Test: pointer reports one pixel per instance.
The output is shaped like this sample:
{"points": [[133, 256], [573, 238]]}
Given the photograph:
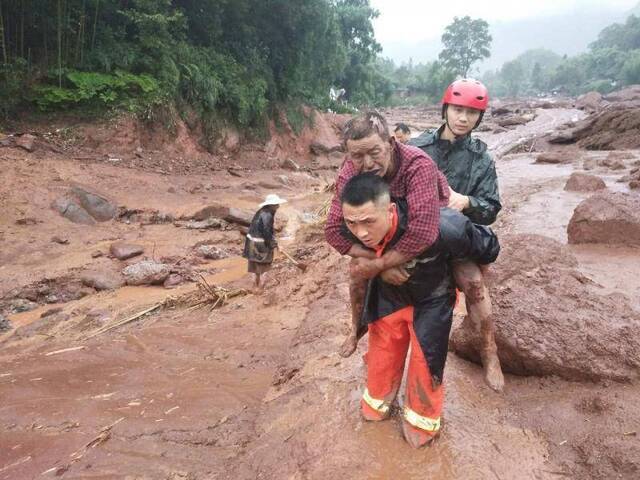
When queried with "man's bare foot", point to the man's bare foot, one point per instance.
{"points": [[349, 346], [492, 372]]}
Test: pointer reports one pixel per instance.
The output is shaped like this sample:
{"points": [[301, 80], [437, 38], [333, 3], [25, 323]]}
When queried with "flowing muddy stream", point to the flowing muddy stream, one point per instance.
{"points": [[256, 389]]}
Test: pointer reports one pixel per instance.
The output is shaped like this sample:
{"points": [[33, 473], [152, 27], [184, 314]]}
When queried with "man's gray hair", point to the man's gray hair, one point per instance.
{"points": [[364, 125]]}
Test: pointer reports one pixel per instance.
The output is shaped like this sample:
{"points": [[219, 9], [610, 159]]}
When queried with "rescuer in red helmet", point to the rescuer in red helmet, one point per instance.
{"points": [[471, 174]]}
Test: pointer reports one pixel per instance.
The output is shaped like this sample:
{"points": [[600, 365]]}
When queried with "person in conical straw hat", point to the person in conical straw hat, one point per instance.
{"points": [[260, 241]]}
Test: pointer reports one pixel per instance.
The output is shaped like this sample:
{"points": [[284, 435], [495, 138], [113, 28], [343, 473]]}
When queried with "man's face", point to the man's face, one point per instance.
{"points": [[369, 222], [371, 154], [401, 136], [462, 119]]}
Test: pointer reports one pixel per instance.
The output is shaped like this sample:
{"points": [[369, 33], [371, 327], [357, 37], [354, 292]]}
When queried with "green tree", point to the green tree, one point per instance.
{"points": [[537, 77], [513, 76], [360, 77], [605, 63], [631, 69], [220, 58], [570, 75], [623, 36], [465, 42]]}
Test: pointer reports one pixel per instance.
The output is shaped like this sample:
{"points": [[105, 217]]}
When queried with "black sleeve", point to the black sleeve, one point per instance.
{"points": [[484, 200], [461, 238]]}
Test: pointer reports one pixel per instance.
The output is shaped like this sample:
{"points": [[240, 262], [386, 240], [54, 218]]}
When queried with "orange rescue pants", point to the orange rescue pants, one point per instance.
{"points": [[389, 340]]}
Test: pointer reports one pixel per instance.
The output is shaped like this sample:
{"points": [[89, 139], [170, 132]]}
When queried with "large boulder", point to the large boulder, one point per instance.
{"points": [[26, 141], [583, 182], [96, 204], [81, 205], [230, 214], [102, 280], [146, 272], [551, 320], [125, 251], [609, 218], [70, 209], [589, 101]]}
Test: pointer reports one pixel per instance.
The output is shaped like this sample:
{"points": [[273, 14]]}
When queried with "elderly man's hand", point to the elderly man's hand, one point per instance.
{"points": [[395, 276], [457, 201], [364, 268]]}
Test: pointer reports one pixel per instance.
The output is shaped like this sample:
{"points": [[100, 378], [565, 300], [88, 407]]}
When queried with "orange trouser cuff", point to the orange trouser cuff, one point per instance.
{"points": [[389, 340]]}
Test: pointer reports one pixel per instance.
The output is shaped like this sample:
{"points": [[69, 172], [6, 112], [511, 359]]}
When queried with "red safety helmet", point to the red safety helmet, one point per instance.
{"points": [[467, 92]]}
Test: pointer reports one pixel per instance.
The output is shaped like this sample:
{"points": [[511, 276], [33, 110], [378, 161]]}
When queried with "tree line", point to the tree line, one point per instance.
{"points": [[231, 59], [241, 60], [612, 61]]}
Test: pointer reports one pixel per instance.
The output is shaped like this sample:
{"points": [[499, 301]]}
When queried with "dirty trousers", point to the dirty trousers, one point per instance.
{"points": [[389, 340]]}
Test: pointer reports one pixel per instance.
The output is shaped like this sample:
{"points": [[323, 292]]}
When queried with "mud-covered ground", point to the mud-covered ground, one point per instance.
{"points": [[255, 389]]}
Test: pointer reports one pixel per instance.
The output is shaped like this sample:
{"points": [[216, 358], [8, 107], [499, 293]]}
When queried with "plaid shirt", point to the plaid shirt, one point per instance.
{"points": [[417, 180]]}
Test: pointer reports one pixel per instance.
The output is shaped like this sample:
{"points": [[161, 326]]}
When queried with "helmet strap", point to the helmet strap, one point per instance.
{"points": [[445, 115]]}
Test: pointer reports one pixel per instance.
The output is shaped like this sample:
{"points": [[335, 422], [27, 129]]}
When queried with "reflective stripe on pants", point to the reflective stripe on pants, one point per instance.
{"points": [[389, 341], [379, 406]]}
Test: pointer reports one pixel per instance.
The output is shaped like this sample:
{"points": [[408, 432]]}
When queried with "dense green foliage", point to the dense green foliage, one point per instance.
{"points": [[232, 60], [465, 41], [613, 60], [420, 83]]}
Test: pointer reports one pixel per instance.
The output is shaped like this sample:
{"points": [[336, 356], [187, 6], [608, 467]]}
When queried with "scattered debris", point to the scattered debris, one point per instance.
{"points": [[26, 221], [51, 311], [290, 165], [298, 264], [130, 319], [173, 280], [205, 295], [5, 324], [553, 157], [65, 350]]}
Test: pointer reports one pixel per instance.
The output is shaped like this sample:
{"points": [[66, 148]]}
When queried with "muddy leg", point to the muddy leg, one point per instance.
{"points": [[470, 279], [357, 290], [257, 287]]}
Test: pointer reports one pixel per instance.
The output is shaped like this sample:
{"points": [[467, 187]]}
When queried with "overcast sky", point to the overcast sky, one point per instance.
{"points": [[411, 29], [415, 20]]}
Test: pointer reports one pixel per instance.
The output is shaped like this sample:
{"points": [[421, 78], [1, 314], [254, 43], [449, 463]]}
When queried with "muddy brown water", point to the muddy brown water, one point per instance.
{"points": [[544, 207], [256, 390]]}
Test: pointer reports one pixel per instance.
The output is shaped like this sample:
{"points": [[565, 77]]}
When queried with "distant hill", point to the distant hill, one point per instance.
{"points": [[564, 34]]}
